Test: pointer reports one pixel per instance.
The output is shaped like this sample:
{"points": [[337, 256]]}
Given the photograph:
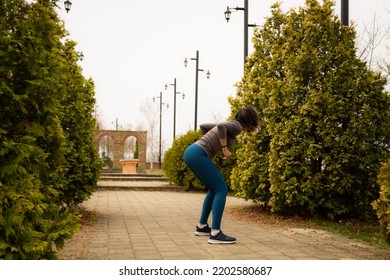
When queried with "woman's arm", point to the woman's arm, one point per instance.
{"points": [[222, 131], [205, 127]]}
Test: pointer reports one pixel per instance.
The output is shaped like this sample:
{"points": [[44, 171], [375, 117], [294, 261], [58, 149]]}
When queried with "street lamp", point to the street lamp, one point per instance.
{"points": [[117, 126], [196, 83], [67, 5], [161, 103], [228, 14], [174, 105]]}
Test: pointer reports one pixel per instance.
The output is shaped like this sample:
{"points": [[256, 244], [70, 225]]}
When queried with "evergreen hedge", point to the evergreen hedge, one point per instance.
{"points": [[48, 164], [382, 204], [325, 122], [178, 172]]}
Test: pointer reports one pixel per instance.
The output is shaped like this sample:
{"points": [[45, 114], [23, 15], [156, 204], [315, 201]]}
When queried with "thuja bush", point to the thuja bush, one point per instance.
{"points": [[178, 172], [47, 161], [382, 204], [249, 177], [324, 122], [31, 222], [175, 168], [82, 164]]}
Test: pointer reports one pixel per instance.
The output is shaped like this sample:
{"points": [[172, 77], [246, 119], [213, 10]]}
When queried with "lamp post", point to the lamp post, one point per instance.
{"points": [[196, 83], [161, 103], [345, 12], [228, 14], [117, 126], [174, 105]]}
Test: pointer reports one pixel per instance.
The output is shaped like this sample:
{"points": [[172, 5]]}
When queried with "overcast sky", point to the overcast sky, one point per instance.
{"points": [[133, 48]]}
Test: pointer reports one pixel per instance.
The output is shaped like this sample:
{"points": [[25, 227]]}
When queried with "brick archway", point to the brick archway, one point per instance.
{"points": [[119, 137]]}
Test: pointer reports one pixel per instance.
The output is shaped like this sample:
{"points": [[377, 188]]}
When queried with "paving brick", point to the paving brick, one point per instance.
{"points": [[159, 225]]}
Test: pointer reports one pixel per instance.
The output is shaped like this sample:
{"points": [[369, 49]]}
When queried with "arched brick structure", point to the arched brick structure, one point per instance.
{"points": [[119, 137]]}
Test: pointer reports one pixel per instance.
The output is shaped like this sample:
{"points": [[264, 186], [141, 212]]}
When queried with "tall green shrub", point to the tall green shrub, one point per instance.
{"points": [[41, 146], [382, 204], [30, 222], [178, 172], [175, 168], [324, 117], [82, 164], [253, 171], [32, 140]]}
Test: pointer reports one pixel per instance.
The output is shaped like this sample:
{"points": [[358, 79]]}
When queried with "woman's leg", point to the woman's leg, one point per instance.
{"points": [[207, 206], [208, 173]]}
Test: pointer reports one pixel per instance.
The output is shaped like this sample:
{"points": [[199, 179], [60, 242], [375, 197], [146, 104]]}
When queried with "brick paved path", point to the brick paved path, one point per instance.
{"points": [[159, 225]]}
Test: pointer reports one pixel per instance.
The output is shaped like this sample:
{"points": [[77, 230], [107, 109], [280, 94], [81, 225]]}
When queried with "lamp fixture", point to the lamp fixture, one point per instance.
{"points": [[67, 5], [228, 14], [245, 9]]}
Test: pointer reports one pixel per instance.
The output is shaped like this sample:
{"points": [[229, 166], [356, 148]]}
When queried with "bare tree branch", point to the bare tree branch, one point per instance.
{"points": [[371, 39], [150, 124]]}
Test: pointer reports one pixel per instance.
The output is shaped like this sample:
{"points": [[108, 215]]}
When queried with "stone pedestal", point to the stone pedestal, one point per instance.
{"points": [[129, 166]]}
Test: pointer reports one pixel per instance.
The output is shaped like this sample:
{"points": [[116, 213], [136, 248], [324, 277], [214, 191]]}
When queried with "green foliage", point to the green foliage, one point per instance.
{"points": [[325, 119], [107, 162], [382, 204], [175, 168], [178, 172], [47, 161], [82, 163], [253, 170]]}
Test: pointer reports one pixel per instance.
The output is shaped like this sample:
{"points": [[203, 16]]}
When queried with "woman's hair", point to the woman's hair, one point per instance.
{"points": [[248, 118]]}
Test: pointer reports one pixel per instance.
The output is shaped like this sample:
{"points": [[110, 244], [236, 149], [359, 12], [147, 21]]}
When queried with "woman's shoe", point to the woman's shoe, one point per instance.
{"points": [[221, 238], [202, 231]]}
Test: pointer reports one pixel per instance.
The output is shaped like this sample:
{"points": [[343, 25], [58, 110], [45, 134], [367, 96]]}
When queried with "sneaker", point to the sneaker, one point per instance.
{"points": [[202, 231], [221, 238]]}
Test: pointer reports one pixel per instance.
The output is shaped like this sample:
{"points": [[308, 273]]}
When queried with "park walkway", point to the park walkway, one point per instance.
{"points": [[159, 225]]}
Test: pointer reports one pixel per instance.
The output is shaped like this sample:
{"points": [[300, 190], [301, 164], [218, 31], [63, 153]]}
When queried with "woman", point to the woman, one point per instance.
{"points": [[216, 138]]}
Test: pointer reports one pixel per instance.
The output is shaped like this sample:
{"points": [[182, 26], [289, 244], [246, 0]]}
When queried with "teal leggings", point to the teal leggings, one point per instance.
{"points": [[215, 200]]}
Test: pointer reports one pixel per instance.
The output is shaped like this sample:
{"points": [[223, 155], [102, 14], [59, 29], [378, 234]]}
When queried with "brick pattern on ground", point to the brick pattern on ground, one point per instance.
{"points": [[160, 225]]}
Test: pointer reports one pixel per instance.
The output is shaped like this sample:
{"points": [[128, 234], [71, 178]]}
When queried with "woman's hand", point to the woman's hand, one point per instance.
{"points": [[226, 153]]}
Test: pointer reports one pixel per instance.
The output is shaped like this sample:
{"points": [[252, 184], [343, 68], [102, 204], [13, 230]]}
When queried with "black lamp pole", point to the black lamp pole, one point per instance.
{"points": [[161, 103], [174, 109], [174, 105], [246, 7], [345, 12], [196, 84], [196, 89], [246, 25], [159, 150]]}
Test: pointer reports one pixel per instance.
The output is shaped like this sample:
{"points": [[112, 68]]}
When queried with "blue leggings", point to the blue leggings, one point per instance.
{"points": [[215, 200]]}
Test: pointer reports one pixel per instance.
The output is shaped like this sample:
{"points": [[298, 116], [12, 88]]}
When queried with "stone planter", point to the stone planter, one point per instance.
{"points": [[129, 166]]}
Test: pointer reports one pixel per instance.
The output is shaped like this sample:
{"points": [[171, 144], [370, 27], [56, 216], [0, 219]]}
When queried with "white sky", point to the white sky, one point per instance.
{"points": [[133, 48]]}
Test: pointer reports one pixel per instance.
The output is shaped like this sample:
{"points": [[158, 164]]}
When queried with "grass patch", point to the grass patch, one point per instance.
{"points": [[353, 229]]}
